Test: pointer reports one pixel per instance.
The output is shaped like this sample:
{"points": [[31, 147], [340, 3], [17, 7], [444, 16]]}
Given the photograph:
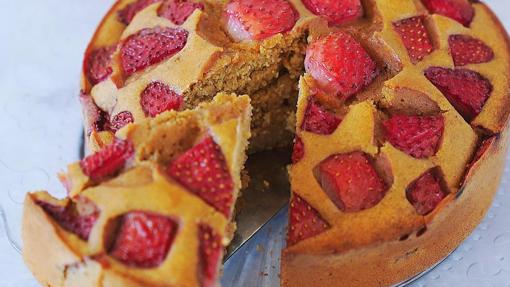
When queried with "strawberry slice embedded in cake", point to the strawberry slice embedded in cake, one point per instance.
{"points": [[426, 193], [318, 119], [467, 50], [108, 161], [157, 98], [150, 46], [120, 120], [298, 151], [259, 19], [340, 65], [336, 12], [203, 170], [211, 252], [459, 10], [415, 37], [97, 64], [127, 14], [466, 90], [304, 221], [178, 11], [351, 181], [77, 218], [418, 136], [96, 119], [143, 239]]}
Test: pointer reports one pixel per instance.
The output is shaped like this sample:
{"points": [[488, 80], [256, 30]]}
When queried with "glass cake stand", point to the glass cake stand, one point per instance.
{"points": [[40, 52]]}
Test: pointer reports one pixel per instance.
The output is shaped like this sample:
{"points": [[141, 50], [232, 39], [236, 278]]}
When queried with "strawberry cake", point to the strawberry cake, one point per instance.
{"points": [[153, 208], [396, 112]]}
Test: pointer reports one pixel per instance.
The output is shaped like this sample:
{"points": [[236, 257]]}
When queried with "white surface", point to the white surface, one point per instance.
{"points": [[41, 46]]}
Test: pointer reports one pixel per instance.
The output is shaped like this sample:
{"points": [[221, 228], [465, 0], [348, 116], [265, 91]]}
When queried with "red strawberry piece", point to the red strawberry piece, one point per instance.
{"points": [[143, 239], [304, 221], [459, 10], [425, 193], [108, 161], [97, 64], [484, 146], [318, 120], [415, 37], [178, 11], [468, 50], [211, 252], [418, 136], [259, 19], [95, 118], [466, 90], [203, 171], [351, 181], [339, 64], [78, 218], [150, 46], [120, 120], [299, 150], [158, 98], [336, 12], [127, 14]]}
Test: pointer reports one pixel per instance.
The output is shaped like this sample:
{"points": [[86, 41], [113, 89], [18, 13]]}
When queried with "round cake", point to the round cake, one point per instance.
{"points": [[397, 112]]}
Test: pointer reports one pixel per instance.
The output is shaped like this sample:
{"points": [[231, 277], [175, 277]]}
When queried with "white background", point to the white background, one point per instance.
{"points": [[41, 46]]}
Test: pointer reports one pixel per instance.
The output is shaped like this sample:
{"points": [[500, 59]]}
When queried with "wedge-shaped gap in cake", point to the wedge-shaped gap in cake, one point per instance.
{"points": [[304, 221], [427, 191], [351, 181], [465, 89], [140, 239]]}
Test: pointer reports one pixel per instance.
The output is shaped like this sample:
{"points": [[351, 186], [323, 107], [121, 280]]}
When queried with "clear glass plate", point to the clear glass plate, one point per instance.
{"points": [[40, 126]]}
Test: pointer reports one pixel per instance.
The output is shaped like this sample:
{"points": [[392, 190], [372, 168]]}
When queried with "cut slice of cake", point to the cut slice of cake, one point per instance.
{"points": [[154, 208]]}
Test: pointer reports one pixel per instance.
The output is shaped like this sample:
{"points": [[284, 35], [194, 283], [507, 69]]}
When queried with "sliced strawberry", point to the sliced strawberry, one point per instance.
{"points": [[466, 90], [425, 193], [415, 37], [150, 46], [158, 98], [203, 170], [459, 10], [178, 11], [78, 218], [259, 19], [97, 64], [211, 252], [468, 50], [318, 120], [304, 221], [299, 150], [127, 14], [120, 120], [482, 149], [339, 64], [336, 12], [93, 116], [351, 181], [143, 239], [108, 161], [418, 136]]}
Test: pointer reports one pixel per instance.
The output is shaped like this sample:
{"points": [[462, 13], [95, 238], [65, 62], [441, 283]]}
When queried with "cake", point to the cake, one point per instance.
{"points": [[154, 208], [399, 136]]}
